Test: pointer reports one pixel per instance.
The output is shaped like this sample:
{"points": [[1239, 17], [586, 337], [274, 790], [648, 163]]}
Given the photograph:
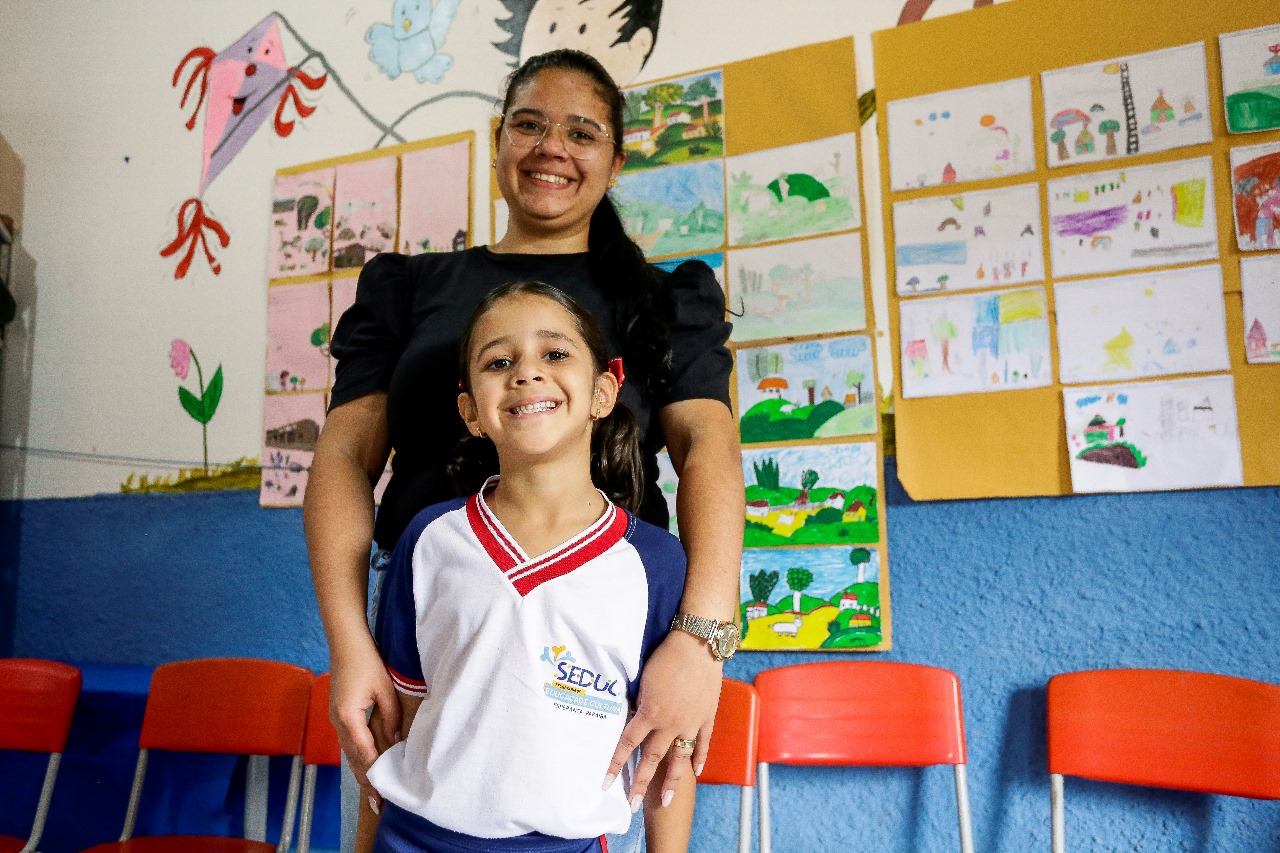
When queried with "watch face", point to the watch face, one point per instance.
{"points": [[727, 640]]}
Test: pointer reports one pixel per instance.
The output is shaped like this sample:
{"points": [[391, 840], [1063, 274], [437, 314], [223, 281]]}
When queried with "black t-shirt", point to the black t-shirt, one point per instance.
{"points": [[401, 336]]}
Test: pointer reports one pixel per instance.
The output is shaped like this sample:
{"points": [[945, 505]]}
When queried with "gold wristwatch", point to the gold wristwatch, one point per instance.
{"points": [[722, 637]]}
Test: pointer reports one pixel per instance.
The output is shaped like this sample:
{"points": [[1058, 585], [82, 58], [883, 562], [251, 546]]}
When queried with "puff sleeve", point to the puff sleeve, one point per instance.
{"points": [[372, 334]]}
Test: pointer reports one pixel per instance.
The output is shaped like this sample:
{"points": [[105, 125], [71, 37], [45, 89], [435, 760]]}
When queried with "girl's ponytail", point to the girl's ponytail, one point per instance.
{"points": [[617, 468]]}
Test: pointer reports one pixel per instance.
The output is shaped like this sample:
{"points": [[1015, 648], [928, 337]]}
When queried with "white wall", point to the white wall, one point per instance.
{"points": [[87, 107]]}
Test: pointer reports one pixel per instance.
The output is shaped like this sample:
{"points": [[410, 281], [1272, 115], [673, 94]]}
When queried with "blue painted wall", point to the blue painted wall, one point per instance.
{"points": [[1005, 593]]}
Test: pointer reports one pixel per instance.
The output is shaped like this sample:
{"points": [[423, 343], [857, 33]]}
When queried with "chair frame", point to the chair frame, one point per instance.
{"points": [[60, 701], [735, 735], [253, 786], [948, 734], [1175, 714], [318, 746]]}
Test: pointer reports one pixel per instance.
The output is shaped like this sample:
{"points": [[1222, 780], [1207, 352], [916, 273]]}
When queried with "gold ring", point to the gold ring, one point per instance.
{"points": [[685, 742]]}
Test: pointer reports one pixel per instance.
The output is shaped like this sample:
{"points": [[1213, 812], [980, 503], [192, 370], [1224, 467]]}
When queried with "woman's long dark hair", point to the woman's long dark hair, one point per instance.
{"points": [[616, 466], [645, 308]]}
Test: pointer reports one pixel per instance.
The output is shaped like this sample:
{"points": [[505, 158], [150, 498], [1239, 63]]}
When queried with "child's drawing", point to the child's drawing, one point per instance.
{"points": [[365, 203], [809, 389], [715, 260], [966, 343], [668, 482], [298, 337], [804, 288], [1131, 105], [435, 198], [674, 210], [291, 424], [412, 43], [1260, 288], [1142, 217], [1251, 78], [810, 598], [795, 191], [961, 135], [824, 494], [987, 238], [301, 221], [1150, 324], [1255, 190], [1151, 436], [676, 121]]}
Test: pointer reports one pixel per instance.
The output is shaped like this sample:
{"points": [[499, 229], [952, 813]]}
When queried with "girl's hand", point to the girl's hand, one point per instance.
{"points": [[359, 683], [679, 692]]}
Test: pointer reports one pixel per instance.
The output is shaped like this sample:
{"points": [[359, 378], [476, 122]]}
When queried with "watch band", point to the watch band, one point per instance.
{"points": [[699, 626]]}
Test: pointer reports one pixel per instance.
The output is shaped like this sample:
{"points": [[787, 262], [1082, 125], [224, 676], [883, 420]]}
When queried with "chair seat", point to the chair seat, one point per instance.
{"points": [[9, 844], [183, 844]]}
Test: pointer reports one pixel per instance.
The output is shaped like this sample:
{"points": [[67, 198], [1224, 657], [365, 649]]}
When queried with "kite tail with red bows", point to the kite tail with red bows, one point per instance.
{"points": [[284, 128], [193, 221]]}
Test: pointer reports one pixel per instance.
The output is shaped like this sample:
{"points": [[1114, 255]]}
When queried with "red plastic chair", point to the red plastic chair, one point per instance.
{"points": [[320, 746], [1192, 731], [864, 714], [37, 701], [233, 706], [731, 759]]}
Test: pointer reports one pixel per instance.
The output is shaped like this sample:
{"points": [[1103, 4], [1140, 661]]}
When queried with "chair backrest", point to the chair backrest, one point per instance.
{"points": [[732, 756], [37, 701], [1192, 731], [321, 743], [228, 705], [860, 713]]}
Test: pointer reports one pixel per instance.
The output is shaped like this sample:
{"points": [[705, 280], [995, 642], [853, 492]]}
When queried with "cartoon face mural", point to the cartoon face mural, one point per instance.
{"points": [[619, 33]]}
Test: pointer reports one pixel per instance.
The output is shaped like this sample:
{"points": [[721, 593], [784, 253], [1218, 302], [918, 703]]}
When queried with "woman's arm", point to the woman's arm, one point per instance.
{"points": [[337, 513], [680, 685]]}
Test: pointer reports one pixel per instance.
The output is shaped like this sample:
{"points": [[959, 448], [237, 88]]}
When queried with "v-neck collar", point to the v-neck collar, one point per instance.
{"points": [[527, 574]]}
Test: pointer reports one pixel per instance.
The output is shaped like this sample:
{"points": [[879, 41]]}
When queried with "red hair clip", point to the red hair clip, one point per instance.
{"points": [[461, 387], [615, 367]]}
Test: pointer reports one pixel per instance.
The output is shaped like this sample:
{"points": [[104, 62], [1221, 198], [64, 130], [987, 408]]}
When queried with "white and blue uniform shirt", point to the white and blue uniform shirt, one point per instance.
{"points": [[528, 667]]}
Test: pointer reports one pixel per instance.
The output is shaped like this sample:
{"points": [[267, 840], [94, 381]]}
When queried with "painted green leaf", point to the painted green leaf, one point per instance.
{"points": [[320, 336], [212, 395], [191, 404], [322, 218]]}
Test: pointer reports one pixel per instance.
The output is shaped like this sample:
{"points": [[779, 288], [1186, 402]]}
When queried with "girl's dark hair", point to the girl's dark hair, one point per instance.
{"points": [[645, 308], [637, 15], [616, 465]]}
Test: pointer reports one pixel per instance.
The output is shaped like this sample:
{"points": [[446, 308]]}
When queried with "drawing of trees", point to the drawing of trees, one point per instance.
{"points": [[1060, 136], [1110, 127], [809, 385], [766, 471], [853, 381], [762, 584], [633, 106], [662, 95], [702, 91], [798, 579], [764, 362], [944, 332], [858, 558], [808, 480]]}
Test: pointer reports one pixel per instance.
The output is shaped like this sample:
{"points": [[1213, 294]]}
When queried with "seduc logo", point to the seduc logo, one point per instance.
{"points": [[578, 688]]}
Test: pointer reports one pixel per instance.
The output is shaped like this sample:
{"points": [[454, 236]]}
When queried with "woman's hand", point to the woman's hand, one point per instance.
{"points": [[679, 692], [359, 684]]}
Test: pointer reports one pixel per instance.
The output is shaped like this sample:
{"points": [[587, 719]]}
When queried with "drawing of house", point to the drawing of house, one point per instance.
{"points": [[773, 386], [1161, 109], [681, 117], [1256, 341], [1100, 432], [917, 354], [694, 131], [848, 601], [1272, 65], [851, 399], [826, 393], [757, 609], [860, 620], [857, 511], [759, 509], [299, 435], [1084, 142], [835, 499]]}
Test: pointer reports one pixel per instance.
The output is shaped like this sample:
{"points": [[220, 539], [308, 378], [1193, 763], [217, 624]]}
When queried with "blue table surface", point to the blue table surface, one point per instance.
{"points": [[184, 793]]}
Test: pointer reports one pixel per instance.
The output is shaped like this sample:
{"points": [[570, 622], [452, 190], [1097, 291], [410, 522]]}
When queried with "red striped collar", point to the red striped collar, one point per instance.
{"points": [[527, 574]]}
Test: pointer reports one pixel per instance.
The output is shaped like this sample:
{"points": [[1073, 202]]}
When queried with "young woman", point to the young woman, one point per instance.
{"points": [[558, 150], [515, 622]]}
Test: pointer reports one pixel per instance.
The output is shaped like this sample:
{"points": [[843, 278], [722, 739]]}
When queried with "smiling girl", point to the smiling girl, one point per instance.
{"points": [[515, 622]]}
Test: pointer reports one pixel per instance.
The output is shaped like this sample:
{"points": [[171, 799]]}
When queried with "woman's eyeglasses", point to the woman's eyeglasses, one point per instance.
{"points": [[583, 138]]}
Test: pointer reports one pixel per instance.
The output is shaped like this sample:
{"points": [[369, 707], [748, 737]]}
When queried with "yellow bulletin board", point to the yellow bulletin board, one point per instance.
{"points": [[771, 147], [1012, 442], [327, 219]]}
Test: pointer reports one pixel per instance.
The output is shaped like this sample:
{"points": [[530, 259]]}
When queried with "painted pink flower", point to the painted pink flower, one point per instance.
{"points": [[180, 357]]}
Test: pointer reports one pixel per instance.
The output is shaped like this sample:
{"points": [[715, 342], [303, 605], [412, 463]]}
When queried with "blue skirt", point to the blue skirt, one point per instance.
{"points": [[401, 831]]}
